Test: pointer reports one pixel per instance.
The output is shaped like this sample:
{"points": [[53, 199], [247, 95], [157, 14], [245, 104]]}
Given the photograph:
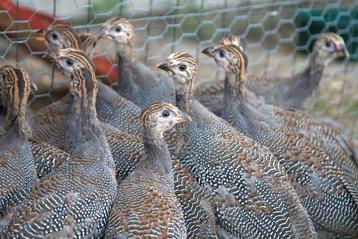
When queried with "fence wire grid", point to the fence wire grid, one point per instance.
{"points": [[277, 36]]}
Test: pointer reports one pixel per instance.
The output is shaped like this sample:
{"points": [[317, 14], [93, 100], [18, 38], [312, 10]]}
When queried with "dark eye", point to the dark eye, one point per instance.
{"points": [[118, 29], [222, 53], [328, 44], [165, 113], [182, 67], [69, 62], [54, 36]]}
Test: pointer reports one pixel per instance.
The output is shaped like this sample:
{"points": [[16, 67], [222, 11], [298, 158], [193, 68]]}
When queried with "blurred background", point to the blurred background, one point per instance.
{"points": [[277, 36]]}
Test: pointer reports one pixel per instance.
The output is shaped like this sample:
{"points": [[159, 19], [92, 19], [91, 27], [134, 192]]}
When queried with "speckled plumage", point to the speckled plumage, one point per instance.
{"points": [[245, 179], [289, 91], [321, 183], [17, 170], [146, 205], [74, 202], [112, 109]]}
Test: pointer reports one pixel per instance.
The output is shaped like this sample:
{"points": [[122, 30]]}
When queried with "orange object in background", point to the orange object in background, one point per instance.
{"points": [[37, 21]]}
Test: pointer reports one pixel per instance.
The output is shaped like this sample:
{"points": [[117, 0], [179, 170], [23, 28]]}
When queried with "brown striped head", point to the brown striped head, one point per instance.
{"points": [[118, 29], [181, 66], [60, 37], [229, 57], [88, 42], [160, 117], [231, 40], [75, 65], [328, 47], [14, 94]]}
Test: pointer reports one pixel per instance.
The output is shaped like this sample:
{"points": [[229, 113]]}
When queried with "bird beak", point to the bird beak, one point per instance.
{"points": [[208, 51], [34, 86], [164, 65], [103, 34], [183, 117], [342, 50]]}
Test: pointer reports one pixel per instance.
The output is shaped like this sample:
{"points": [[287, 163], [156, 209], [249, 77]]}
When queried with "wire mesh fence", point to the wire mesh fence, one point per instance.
{"points": [[277, 36]]}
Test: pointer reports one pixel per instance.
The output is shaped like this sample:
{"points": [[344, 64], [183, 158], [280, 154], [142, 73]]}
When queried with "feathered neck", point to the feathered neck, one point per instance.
{"points": [[156, 153], [124, 51], [234, 92], [82, 121]]}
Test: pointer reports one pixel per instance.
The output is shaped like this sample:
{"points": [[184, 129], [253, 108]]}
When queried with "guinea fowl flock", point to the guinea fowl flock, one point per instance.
{"points": [[157, 157]]}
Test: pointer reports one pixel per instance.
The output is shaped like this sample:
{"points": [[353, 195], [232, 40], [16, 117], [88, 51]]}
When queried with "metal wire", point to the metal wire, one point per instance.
{"points": [[276, 36]]}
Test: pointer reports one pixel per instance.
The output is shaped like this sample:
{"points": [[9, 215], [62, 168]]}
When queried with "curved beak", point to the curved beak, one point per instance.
{"points": [[164, 65], [208, 51], [103, 33], [183, 117], [342, 50]]}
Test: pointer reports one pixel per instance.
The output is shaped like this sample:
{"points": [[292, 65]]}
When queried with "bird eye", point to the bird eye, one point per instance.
{"points": [[165, 113], [222, 53], [328, 44], [182, 67], [118, 29], [69, 62], [54, 36]]}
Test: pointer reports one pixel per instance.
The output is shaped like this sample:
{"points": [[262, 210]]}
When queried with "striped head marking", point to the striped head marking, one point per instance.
{"points": [[75, 66], [71, 60], [160, 117], [14, 94], [117, 29], [88, 42], [60, 37], [231, 40], [328, 47], [14, 84], [229, 57], [181, 66]]}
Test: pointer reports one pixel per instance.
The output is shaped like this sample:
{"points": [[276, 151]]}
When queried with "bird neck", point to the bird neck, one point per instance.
{"points": [[82, 121], [157, 153], [124, 51], [315, 70], [184, 95], [234, 95]]}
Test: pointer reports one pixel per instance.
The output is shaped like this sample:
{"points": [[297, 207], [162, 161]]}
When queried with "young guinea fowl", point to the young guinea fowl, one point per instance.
{"points": [[75, 202], [251, 195], [146, 205], [17, 169], [112, 109], [136, 81], [281, 91], [320, 183]]}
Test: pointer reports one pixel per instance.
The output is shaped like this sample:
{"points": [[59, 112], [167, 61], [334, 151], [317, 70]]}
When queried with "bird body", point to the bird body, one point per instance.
{"points": [[146, 205], [75, 202]]}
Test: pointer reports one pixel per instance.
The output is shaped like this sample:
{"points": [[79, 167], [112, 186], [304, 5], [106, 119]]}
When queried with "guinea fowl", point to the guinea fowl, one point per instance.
{"points": [[75, 202], [251, 195], [136, 81], [17, 170], [112, 109], [281, 91], [146, 205], [317, 179]]}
